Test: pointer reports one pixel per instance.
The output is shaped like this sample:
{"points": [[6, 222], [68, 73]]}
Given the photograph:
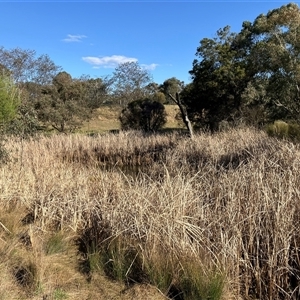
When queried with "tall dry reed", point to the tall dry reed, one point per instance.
{"points": [[228, 201]]}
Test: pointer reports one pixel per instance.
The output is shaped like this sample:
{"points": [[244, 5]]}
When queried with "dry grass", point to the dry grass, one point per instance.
{"points": [[106, 119], [228, 203]]}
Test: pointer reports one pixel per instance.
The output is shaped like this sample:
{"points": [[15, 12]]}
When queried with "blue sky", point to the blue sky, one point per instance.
{"points": [[92, 37]]}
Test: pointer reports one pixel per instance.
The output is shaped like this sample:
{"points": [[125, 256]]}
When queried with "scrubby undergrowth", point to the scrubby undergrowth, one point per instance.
{"points": [[212, 218]]}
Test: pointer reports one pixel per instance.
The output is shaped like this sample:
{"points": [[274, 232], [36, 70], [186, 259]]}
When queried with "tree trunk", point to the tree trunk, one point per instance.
{"points": [[184, 114]]}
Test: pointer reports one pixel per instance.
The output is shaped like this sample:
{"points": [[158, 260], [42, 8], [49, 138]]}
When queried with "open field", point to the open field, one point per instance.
{"points": [[136, 216], [106, 119]]}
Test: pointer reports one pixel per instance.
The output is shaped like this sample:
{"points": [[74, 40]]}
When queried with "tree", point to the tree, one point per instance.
{"points": [[26, 66], [30, 73], [145, 114], [183, 113], [250, 75], [96, 91], [275, 57], [130, 82], [154, 91], [63, 104], [171, 86], [218, 81]]}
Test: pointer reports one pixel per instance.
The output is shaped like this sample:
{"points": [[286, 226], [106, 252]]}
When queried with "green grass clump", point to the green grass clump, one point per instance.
{"points": [[281, 129], [294, 131], [182, 276], [198, 282], [121, 260], [56, 243], [174, 275], [161, 268], [278, 129], [59, 294]]}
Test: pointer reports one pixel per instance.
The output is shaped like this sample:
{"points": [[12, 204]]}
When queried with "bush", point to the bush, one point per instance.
{"points": [[144, 114], [25, 124], [9, 102], [285, 130], [9, 99]]}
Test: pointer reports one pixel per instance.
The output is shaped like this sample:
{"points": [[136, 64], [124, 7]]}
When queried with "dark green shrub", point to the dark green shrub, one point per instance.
{"points": [[144, 114], [9, 99], [9, 102]]}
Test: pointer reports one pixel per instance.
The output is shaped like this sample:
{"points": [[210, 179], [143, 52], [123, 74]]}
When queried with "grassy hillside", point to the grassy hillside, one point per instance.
{"points": [[106, 119]]}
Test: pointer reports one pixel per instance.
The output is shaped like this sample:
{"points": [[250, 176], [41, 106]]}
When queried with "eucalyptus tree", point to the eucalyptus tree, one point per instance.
{"points": [[275, 56], [154, 92], [171, 86], [30, 73], [96, 91], [63, 103], [9, 102], [218, 78], [130, 82], [26, 66], [256, 70]]}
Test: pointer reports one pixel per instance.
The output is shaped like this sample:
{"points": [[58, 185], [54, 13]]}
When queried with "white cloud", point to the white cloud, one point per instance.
{"points": [[74, 38], [108, 61], [150, 67], [113, 61]]}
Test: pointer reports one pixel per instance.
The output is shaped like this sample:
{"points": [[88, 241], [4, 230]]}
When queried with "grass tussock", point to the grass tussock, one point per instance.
{"points": [[212, 218], [283, 130]]}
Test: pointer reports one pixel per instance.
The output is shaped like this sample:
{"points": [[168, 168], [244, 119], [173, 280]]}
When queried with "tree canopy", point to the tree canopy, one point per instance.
{"points": [[130, 82], [171, 86], [219, 76], [62, 105], [26, 66], [275, 57], [254, 70]]}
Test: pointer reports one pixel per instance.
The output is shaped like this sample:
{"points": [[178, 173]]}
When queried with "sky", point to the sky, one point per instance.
{"points": [[94, 37]]}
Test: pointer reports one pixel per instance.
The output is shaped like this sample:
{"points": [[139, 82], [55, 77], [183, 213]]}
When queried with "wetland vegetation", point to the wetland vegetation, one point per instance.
{"points": [[216, 217]]}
